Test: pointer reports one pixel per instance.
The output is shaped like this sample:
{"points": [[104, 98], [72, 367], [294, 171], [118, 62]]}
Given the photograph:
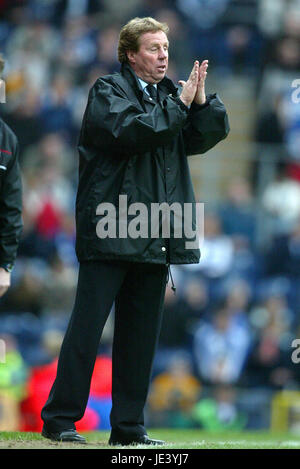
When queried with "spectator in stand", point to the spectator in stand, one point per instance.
{"points": [[269, 128], [270, 363], [173, 333], [180, 43], [219, 412], [59, 287], [48, 195], [237, 212], [14, 374], [23, 117], [281, 201], [237, 300], [31, 48], [217, 249], [179, 317], [173, 394], [221, 348], [280, 69], [51, 150], [32, 244], [59, 11], [13, 378], [78, 49], [282, 260], [217, 256], [290, 121], [195, 301], [56, 111], [227, 31], [107, 44], [283, 256], [26, 294]]}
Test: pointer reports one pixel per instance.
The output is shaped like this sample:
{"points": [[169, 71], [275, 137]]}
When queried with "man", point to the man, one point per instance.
{"points": [[134, 143], [10, 201]]}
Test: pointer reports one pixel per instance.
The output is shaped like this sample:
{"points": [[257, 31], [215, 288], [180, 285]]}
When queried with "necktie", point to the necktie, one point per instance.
{"points": [[152, 92]]}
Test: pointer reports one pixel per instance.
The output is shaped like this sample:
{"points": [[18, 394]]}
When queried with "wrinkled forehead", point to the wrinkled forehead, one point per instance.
{"points": [[152, 38]]}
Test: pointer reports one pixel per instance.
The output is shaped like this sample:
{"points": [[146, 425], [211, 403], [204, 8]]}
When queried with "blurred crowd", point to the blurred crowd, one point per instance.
{"points": [[228, 330]]}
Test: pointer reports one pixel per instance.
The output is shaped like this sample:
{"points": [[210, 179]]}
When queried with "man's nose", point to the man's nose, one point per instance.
{"points": [[163, 53]]}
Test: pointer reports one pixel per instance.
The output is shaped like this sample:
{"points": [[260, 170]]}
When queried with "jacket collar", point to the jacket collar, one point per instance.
{"points": [[165, 86]]}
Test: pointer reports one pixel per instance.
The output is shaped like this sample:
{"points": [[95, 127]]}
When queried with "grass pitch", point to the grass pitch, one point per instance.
{"points": [[176, 439]]}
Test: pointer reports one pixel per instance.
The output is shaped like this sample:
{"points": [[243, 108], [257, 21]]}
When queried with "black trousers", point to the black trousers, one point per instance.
{"points": [[138, 291]]}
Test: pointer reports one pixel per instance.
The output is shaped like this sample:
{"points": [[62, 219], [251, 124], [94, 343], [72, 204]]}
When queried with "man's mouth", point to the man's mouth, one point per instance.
{"points": [[162, 67]]}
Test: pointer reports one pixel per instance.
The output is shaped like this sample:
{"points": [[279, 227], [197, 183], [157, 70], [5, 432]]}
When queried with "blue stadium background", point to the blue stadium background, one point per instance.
{"points": [[226, 342]]}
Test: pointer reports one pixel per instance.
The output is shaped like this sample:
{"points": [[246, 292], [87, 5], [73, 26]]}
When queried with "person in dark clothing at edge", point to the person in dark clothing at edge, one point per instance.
{"points": [[137, 131], [10, 199]]}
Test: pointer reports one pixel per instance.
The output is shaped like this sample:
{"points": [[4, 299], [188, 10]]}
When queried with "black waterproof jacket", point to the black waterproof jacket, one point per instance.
{"points": [[133, 147], [10, 195]]}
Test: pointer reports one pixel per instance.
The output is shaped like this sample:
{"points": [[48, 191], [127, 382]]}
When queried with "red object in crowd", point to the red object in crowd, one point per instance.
{"points": [[293, 171], [48, 220], [102, 377], [38, 387]]}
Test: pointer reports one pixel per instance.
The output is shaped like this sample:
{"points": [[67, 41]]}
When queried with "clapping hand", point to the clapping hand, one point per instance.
{"points": [[4, 281], [194, 88], [200, 96]]}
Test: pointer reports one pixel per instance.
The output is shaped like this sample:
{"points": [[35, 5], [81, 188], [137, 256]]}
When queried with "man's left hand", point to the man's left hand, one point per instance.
{"points": [[4, 281], [200, 96]]}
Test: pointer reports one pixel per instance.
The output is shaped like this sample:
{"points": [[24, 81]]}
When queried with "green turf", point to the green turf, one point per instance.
{"points": [[176, 439]]}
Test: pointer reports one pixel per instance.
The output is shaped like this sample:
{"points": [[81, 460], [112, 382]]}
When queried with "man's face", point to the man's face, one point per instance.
{"points": [[150, 63]]}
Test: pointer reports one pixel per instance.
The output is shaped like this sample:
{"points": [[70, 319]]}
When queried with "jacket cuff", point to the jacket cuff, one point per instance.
{"points": [[197, 107], [181, 104]]}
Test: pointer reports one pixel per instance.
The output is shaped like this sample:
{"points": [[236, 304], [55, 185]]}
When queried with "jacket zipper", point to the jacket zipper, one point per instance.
{"points": [[167, 241]]}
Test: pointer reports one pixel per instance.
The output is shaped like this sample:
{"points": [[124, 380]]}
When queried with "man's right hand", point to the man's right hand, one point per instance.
{"points": [[4, 281], [189, 87]]}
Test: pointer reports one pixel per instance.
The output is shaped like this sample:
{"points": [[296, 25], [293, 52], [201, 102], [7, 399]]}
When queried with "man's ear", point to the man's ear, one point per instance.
{"points": [[131, 56]]}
